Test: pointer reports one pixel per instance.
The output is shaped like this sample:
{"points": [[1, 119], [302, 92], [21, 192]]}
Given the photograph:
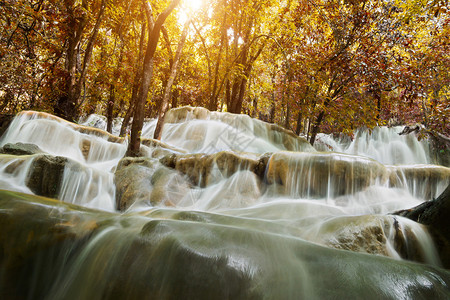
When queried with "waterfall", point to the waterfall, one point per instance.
{"points": [[382, 144], [225, 207]]}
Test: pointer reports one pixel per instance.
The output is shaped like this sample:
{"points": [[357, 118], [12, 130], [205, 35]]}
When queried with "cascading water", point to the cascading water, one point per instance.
{"points": [[231, 208], [383, 144]]}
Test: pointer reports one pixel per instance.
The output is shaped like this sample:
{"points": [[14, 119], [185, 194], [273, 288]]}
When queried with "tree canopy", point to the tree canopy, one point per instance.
{"points": [[309, 65]]}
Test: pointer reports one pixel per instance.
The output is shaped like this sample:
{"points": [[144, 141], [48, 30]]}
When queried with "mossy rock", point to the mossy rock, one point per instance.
{"points": [[20, 149], [45, 176]]}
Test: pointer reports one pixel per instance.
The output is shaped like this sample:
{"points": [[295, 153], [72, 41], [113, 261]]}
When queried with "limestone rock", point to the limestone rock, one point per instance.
{"points": [[133, 181], [362, 234], [320, 175], [169, 187], [182, 114], [20, 149], [435, 214], [422, 180], [46, 174], [52, 250], [146, 180], [34, 230], [379, 235], [161, 148], [271, 132], [203, 169]]}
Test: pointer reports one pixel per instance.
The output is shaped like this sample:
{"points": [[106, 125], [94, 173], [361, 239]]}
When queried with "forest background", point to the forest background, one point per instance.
{"points": [[308, 65]]}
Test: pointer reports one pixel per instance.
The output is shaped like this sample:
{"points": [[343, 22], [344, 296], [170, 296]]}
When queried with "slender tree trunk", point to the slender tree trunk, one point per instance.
{"points": [[110, 108], [298, 128], [173, 73], [112, 95], [175, 95], [228, 94], [240, 86], [315, 129], [212, 105], [208, 60], [88, 51], [67, 105], [136, 82], [147, 72], [287, 120], [126, 120]]}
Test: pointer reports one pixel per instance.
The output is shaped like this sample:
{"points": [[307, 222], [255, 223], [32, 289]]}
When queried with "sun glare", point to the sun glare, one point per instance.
{"points": [[188, 8], [193, 5]]}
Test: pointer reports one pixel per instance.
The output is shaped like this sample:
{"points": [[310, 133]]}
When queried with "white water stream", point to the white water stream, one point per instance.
{"points": [[336, 199]]}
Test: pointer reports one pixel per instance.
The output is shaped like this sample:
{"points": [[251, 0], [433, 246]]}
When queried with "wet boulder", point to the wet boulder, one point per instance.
{"points": [[52, 250], [440, 148], [435, 214], [182, 114], [206, 169], [322, 175], [145, 180], [238, 123], [380, 235], [423, 181], [37, 233], [20, 149], [133, 181], [46, 173], [169, 187]]}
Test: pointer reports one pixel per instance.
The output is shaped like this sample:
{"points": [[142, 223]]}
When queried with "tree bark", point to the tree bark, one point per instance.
{"points": [[212, 105], [240, 85], [315, 129], [110, 108], [67, 105], [298, 128], [136, 82], [147, 72], [173, 72]]}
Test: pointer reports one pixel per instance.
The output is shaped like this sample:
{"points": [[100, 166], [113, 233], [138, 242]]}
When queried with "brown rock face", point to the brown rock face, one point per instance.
{"points": [[422, 180], [200, 168], [435, 214], [133, 181], [46, 175], [315, 175], [20, 149]]}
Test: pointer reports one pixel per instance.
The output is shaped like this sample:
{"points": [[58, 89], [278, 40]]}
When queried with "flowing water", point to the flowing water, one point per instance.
{"points": [[227, 208]]}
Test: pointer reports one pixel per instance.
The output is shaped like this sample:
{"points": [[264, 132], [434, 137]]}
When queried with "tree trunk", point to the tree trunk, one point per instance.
{"points": [[173, 73], [240, 85], [332, 93], [175, 95], [88, 51], [67, 105], [315, 129], [212, 105], [298, 129], [110, 108], [147, 72], [136, 82], [228, 93], [287, 120]]}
